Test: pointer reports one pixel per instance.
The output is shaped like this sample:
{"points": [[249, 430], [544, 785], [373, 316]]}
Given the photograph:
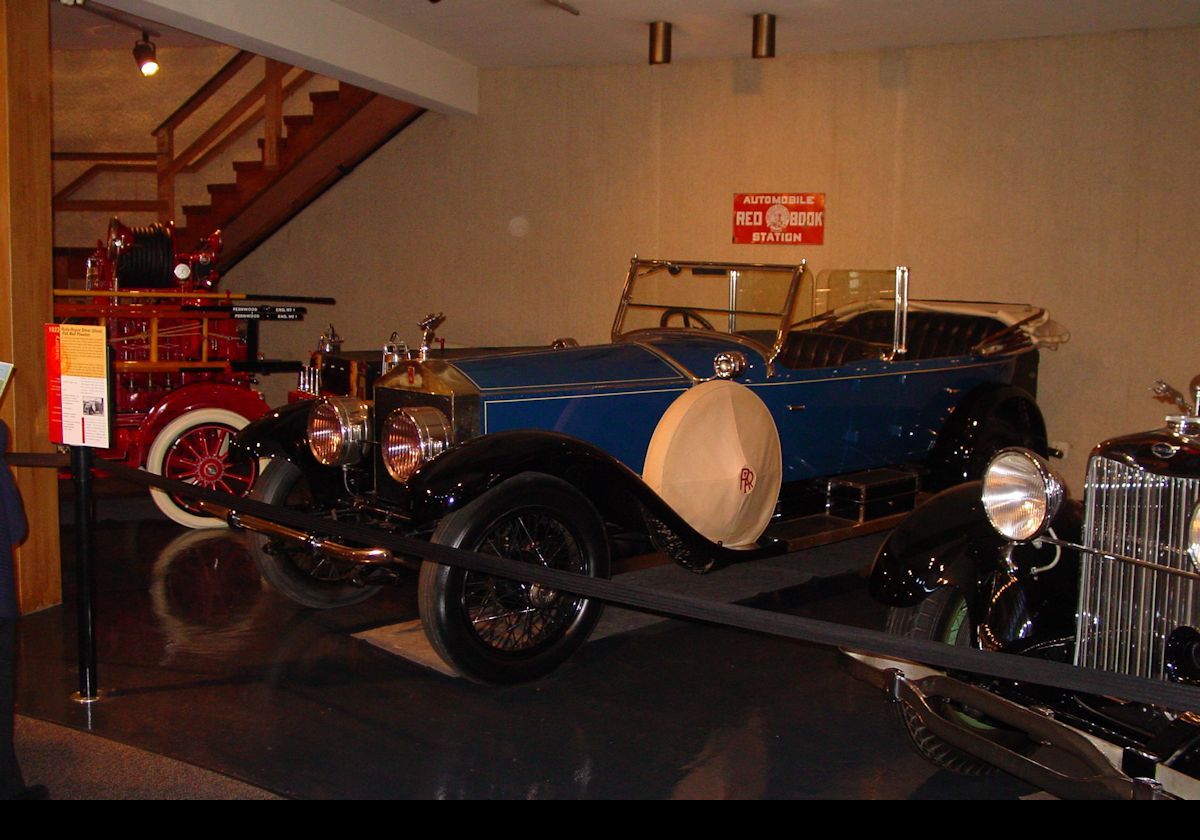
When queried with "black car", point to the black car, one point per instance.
{"points": [[1111, 585]]}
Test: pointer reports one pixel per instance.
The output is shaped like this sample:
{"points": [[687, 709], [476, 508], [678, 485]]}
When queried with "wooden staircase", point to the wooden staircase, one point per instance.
{"points": [[300, 156], [345, 127]]}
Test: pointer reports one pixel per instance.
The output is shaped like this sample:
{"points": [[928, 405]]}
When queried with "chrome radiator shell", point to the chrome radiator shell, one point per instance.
{"points": [[1127, 612]]}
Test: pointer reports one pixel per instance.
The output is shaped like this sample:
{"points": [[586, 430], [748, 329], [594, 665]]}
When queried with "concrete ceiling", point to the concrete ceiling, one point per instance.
{"points": [[500, 33], [91, 26], [430, 53]]}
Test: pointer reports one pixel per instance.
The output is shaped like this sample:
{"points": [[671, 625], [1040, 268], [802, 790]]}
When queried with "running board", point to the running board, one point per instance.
{"points": [[1101, 776]]}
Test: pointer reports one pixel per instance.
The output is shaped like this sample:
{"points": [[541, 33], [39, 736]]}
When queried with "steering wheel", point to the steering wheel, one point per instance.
{"points": [[687, 315]]}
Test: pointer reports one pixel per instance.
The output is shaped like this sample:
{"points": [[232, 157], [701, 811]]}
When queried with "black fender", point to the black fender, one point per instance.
{"points": [[280, 433], [283, 433], [986, 420], [948, 541], [464, 473]]}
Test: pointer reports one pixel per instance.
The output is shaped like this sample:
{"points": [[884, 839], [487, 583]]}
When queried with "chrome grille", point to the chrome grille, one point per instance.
{"points": [[1127, 611]]}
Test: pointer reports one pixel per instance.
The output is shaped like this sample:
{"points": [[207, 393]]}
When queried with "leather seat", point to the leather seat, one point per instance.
{"points": [[931, 335]]}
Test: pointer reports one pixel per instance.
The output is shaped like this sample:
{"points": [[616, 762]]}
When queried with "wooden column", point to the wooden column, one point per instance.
{"points": [[164, 158], [273, 113], [26, 272]]}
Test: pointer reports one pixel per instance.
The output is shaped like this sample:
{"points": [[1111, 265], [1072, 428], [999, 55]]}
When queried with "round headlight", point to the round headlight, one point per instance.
{"points": [[339, 430], [1021, 494], [1193, 537], [412, 436]]}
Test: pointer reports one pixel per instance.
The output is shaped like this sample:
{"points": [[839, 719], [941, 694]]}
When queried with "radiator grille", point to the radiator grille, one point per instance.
{"points": [[1126, 611]]}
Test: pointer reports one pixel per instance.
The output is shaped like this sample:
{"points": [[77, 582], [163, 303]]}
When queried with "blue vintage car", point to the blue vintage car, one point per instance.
{"points": [[739, 410]]}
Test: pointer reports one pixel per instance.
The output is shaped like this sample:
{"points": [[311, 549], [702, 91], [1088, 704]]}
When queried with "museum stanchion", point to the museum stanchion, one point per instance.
{"points": [[82, 459]]}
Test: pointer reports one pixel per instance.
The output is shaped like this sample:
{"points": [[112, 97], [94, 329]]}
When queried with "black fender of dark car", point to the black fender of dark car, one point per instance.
{"points": [[1017, 600], [280, 433], [283, 433], [464, 473], [986, 420]]}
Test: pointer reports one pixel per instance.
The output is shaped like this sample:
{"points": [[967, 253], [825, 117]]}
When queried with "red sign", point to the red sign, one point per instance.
{"points": [[778, 218]]}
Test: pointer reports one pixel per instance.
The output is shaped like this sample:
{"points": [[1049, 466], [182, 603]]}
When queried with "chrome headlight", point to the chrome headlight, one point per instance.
{"points": [[1193, 537], [412, 436], [339, 430], [1021, 494]]}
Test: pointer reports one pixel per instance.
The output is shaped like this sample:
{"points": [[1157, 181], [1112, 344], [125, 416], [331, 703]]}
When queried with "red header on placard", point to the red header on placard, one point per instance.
{"points": [[54, 381], [778, 218]]}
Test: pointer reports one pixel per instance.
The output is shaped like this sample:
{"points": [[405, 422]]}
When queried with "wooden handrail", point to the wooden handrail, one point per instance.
{"points": [[269, 91], [111, 205], [103, 156], [298, 81], [206, 91], [215, 130], [98, 169], [134, 294], [263, 102]]}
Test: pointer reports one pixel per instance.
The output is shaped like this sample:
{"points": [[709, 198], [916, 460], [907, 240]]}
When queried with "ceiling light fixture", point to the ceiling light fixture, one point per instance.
{"points": [[146, 56], [660, 42], [763, 44]]}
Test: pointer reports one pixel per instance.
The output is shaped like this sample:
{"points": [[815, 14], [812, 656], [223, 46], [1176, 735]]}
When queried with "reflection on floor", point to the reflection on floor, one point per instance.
{"points": [[201, 662]]}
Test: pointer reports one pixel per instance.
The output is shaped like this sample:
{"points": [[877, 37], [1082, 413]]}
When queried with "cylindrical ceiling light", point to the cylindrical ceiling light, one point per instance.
{"points": [[660, 42], [763, 45], [146, 56]]}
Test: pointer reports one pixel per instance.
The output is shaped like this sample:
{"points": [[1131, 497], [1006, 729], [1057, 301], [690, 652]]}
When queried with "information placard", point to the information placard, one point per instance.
{"points": [[77, 386]]}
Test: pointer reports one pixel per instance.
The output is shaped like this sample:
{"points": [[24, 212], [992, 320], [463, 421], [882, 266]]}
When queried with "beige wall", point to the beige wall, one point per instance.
{"points": [[1061, 171]]}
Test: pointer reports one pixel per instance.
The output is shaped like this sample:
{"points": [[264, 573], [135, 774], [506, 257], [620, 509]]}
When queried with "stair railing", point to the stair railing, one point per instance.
{"points": [[264, 101]]}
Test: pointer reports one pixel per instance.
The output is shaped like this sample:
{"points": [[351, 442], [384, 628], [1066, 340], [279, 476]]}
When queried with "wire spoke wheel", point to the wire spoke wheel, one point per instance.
{"points": [[499, 630], [511, 616], [295, 571]]}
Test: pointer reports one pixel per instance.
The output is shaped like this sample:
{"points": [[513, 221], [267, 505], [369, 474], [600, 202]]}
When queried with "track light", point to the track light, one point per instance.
{"points": [[146, 56], [763, 44], [660, 42]]}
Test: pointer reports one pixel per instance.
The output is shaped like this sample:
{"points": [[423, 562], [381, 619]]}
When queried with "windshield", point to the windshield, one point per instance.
{"points": [[842, 292], [760, 302], [751, 300]]}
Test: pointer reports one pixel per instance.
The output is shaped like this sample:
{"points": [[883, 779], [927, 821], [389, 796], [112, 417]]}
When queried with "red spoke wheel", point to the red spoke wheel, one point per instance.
{"points": [[194, 448]]}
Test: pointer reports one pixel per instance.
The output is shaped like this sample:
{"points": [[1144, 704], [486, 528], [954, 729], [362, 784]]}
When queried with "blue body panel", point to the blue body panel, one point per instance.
{"points": [[610, 395], [856, 416], [607, 365], [621, 422], [868, 414]]}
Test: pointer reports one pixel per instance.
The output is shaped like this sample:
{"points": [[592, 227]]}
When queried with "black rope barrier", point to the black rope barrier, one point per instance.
{"points": [[996, 664], [38, 459]]}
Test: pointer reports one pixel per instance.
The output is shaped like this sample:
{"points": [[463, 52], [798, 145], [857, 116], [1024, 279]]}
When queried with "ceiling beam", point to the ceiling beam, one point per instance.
{"points": [[329, 39]]}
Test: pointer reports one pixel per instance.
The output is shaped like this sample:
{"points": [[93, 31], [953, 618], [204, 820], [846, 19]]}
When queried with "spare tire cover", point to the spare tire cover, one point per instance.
{"points": [[715, 459]]}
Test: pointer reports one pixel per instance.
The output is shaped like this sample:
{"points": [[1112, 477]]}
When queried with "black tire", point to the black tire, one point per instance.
{"points": [[942, 617], [291, 569], [495, 630]]}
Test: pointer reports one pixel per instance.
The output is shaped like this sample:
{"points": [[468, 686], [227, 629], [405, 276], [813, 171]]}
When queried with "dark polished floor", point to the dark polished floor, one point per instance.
{"points": [[200, 661]]}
